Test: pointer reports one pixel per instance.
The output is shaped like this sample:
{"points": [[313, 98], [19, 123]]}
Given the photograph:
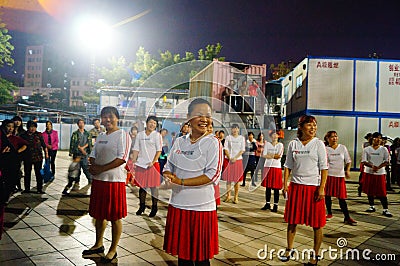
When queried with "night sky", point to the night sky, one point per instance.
{"points": [[256, 32]]}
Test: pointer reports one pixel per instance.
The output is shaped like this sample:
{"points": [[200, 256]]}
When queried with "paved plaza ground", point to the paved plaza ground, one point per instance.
{"points": [[52, 229]]}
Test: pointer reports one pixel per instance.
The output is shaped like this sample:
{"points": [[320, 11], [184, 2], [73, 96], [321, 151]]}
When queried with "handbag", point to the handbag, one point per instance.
{"points": [[46, 172]]}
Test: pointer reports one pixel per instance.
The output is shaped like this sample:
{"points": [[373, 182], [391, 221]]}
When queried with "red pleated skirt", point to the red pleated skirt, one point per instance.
{"points": [[374, 185], [149, 177], [192, 235], [233, 171], [108, 200], [272, 178], [336, 187], [301, 207], [217, 195]]}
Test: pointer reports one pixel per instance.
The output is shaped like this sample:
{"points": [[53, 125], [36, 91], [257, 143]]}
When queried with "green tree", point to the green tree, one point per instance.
{"points": [[281, 70], [211, 52], [6, 88], [91, 97], [5, 46], [5, 59], [117, 73]]}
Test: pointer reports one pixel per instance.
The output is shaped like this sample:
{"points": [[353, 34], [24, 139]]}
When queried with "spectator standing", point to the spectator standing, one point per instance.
{"points": [[50, 137], [260, 160], [96, 130], [249, 159], [108, 197], [306, 160], [10, 148], [34, 156], [80, 146], [18, 131]]}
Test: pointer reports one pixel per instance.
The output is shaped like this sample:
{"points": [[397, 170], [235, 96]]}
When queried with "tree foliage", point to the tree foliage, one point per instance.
{"points": [[281, 70], [5, 46], [135, 73], [6, 88]]}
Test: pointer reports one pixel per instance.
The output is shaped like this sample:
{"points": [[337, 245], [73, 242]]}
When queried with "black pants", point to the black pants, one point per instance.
{"points": [[268, 195], [28, 171], [342, 204], [52, 157], [383, 200]]}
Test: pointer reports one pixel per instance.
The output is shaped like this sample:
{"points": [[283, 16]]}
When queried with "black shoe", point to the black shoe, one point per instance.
{"points": [[290, 255], [243, 185], [153, 211], [266, 207], [275, 208], [26, 191], [141, 210], [65, 191], [316, 262], [89, 252], [106, 260]]}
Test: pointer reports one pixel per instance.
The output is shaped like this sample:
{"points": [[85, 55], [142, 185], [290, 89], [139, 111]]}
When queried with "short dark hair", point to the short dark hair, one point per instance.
{"points": [[94, 120], [109, 110], [152, 117], [250, 133], [17, 118], [6, 122], [221, 131], [79, 120], [49, 122], [31, 123], [234, 126], [195, 102]]}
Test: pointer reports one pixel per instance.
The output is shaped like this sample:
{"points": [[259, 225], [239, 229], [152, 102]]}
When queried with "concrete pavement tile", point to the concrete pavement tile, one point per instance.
{"points": [[152, 239], [86, 238], [158, 257], [235, 236], [75, 256], [133, 230], [226, 243], [10, 251], [233, 258], [36, 221], [24, 234], [249, 232], [47, 230], [35, 247], [132, 260], [246, 251], [63, 242], [134, 245], [54, 258], [19, 262]]}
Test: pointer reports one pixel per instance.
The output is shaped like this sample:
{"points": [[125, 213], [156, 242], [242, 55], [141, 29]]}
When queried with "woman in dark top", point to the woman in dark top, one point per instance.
{"points": [[33, 156]]}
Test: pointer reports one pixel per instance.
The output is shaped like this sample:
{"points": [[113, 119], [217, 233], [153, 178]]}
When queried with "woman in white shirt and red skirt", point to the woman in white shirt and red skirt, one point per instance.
{"points": [[375, 158], [108, 196], [146, 151], [306, 160], [193, 168]]}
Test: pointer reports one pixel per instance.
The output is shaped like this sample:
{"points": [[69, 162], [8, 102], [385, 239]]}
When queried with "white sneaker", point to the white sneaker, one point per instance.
{"points": [[371, 209], [387, 213]]}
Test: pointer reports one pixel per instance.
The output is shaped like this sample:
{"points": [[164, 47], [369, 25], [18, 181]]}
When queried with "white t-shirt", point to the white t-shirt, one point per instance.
{"points": [[147, 146], [187, 160], [234, 145], [375, 157], [108, 148], [271, 149], [337, 159], [307, 161]]}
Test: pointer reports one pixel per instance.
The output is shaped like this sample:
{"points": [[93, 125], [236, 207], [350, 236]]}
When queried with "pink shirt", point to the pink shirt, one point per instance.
{"points": [[54, 139]]}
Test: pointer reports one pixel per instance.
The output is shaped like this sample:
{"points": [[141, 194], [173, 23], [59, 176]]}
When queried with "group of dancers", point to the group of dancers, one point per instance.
{"points": [[194, 167]]}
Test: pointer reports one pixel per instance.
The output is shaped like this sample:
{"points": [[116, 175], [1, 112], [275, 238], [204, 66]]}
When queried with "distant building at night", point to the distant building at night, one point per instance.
{"points": [[352, 96]]}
